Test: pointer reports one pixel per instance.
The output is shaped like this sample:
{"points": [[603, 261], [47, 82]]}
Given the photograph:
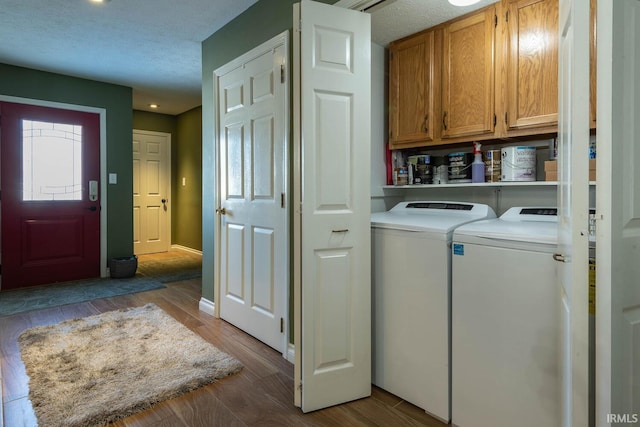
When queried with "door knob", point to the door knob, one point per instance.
{"points": [[221, 211], [163, 201]]}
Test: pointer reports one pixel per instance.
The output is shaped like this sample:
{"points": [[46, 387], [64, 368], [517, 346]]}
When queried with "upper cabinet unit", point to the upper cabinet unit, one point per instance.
{"points": [[412, 90], [490, 74], [468, 75], [531, 64]]}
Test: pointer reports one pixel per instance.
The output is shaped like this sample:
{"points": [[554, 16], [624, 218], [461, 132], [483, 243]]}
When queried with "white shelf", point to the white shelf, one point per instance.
{"points": [[477, 184]]}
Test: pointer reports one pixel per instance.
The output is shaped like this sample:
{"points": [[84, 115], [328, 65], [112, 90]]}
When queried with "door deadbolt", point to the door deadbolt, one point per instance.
{"points": [[221, 211]]}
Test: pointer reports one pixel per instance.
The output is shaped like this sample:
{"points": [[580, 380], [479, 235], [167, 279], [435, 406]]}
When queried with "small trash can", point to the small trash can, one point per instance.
{"points": [[123, 267]]}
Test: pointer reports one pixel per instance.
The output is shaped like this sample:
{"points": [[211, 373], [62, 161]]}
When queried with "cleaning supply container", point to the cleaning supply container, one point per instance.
{"points": [[518, 163], [477, 167]]}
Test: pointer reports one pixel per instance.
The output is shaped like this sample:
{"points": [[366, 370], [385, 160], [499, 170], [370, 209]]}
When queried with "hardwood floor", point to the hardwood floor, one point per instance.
{"points": [[261, 394]]}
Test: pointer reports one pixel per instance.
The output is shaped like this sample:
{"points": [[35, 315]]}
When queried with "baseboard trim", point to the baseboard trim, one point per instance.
{"points": [[186, 249], [291, 353], [207, 306]]}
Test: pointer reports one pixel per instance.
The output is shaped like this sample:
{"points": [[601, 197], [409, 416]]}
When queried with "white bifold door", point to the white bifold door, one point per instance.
{"points": [[332, 248], [573, 213], [618, 213]]}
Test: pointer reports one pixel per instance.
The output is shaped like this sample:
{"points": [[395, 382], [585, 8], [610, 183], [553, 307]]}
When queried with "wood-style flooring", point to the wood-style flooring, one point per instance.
{"points": [[260, 395]]}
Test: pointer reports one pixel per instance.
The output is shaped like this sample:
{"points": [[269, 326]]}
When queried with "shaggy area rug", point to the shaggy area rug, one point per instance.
{"points": [[95, 370]]}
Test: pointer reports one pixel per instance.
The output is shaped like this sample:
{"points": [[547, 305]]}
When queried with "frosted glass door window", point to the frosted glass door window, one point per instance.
{"points": [[52, 161]]}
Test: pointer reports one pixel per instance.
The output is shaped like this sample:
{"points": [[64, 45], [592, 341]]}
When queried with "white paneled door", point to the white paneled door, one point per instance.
{"points": [[151, 192], [252, 235], [618, 213], [573, 203], [332, 255]]}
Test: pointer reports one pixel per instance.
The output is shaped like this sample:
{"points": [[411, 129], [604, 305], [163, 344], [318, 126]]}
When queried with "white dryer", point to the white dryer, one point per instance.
{"points": [[506, 321], [411, 262]]}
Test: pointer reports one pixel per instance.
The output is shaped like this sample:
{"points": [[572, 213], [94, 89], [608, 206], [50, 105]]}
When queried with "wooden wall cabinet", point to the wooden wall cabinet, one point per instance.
{"points": [[531, 64], [531, 67], [490, 74], [412, 90], [468, 75]]}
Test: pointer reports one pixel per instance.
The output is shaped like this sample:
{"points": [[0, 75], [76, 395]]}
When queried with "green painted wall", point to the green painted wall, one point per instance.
{"points": [[187, 164], [156, 122], [186, 161], [117, 100]]}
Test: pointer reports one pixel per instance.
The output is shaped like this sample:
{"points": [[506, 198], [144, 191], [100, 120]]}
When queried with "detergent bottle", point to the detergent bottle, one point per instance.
{"points": [[477, 167]]}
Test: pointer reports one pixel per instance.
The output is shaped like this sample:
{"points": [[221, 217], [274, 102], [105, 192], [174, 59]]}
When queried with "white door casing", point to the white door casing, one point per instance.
{"points": [[573, 203], [253, 233], [332, 252], [151, 192], [618, 214]]}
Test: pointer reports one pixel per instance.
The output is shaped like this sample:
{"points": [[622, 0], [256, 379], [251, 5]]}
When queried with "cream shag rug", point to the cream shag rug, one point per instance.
{"points": [[95, 370]]}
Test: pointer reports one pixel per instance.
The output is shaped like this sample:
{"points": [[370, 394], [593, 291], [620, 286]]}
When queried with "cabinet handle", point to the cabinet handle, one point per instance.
{"points": [[559, 258], [444, 121], [426, 124]]}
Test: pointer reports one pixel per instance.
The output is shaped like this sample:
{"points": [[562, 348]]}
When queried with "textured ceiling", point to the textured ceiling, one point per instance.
{"points": [[154, 46], [394, 19]]}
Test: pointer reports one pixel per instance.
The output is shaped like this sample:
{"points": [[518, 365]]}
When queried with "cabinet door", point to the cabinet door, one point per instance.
{"points": [[411, 99], [532, 64], [468, 106]]}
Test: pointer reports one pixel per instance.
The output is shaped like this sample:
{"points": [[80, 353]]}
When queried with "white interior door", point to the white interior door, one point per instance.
{"points": [[253, 222], [151, 192], [618, 208], [573, 203], [332, 275]]}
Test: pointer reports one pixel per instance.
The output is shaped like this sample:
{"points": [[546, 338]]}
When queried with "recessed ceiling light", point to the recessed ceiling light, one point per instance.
{"points": [[153, 105], [463, 2], [99, 1]]}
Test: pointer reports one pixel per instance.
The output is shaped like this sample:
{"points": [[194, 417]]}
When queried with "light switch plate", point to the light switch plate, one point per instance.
{"points": [[113, 178]]}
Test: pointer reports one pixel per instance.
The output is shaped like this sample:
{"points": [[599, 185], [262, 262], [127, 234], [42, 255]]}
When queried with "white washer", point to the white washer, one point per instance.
{"points": [[506, 321], [411, 250]]}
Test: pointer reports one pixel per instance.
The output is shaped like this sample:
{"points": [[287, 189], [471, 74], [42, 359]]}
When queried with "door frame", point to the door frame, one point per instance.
{"points": [[102, 112], [167, 170], [280, 39]]}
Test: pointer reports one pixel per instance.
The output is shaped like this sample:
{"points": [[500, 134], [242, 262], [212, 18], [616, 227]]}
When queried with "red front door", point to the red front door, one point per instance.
{"points": [[50, 171]]}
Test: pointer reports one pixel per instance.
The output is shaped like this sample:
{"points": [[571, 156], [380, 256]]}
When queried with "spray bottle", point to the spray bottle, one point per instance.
{"points": [[477, 167]]}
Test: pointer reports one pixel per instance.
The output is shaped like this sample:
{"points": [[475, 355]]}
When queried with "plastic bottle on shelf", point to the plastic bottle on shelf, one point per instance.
{"points": [[477, 167]]}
